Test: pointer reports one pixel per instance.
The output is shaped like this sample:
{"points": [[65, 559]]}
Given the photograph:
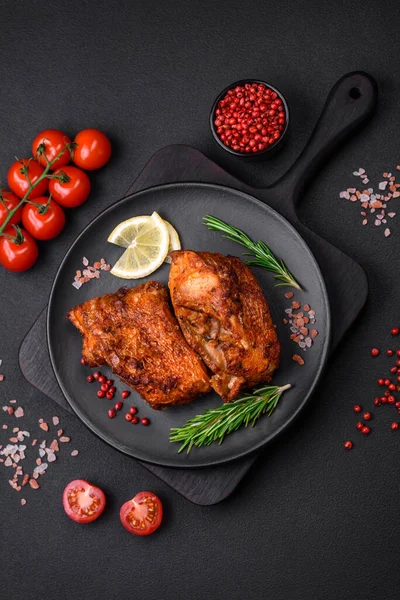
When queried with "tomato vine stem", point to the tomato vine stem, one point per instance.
{"points": [[45, 175]]}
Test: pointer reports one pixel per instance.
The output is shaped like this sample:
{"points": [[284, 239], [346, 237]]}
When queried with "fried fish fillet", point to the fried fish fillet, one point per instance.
{"points": [[225, 318], [135, 333]]}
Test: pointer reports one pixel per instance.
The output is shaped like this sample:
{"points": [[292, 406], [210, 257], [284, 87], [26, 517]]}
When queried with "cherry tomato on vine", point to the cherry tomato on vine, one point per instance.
{"points": [[44, 219], [54, 141], [73, 193], [10, 201], [93, 149], [82, 501], [18, 181], [18, 255], [143, 514]]}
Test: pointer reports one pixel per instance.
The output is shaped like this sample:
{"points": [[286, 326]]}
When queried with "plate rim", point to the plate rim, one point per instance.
{"points": [[268, 439]]}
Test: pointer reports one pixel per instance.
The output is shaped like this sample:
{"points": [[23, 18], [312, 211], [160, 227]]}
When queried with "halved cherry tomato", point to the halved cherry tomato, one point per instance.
{"points": [[143, 514], [18, 182], [44, 220], [19, 255], [82, 501], [10, 202], [73, 193], [93, 150], [54, 141]]}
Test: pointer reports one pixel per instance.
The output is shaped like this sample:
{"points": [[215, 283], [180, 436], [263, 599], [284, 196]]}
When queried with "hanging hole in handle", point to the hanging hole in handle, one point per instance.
{"points": [[355, 93]]}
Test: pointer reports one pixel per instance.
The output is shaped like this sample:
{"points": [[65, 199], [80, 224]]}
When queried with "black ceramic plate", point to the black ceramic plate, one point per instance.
{"points": [[184, 205]]}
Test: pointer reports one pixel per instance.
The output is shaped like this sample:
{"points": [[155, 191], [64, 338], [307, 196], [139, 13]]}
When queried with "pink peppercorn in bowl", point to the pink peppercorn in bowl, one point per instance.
{"points": [[250, 118]]}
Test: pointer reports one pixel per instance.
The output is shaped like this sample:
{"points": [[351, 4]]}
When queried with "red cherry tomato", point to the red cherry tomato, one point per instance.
{"points": [[18, 182], [44, 220], [143, 514], [10, 202], [82, 501], [18, 256], [93, 150], [73, 193], [54, 141]]}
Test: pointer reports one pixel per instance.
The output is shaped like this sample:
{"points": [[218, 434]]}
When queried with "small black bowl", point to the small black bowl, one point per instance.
{"points": [[251, 155]]}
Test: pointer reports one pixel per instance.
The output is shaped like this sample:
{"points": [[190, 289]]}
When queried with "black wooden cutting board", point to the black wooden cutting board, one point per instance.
{"points": [[345, 280]]}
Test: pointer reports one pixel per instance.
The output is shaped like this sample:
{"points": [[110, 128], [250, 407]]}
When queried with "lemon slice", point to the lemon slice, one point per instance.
{"points": [[146, 251], [174, 241], [124, 234]]}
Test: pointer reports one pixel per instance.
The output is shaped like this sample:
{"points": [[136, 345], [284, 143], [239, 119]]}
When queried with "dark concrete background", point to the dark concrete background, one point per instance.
{"points": [[311, 520]]}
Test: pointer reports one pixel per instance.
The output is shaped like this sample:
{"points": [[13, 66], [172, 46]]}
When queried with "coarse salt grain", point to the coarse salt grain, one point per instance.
{"points": [[74, 453], [19, 412]]}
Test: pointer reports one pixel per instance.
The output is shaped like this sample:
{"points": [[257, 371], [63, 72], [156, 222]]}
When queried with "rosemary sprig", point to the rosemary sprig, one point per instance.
{"points": [[215, 423], [262, 255]]}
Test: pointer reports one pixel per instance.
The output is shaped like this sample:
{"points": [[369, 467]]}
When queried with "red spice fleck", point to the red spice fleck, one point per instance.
{"points": [[145, 421], [360, 425], [128, 417], [348, 445], [377, 401], [133, 410], [391, 399], [365, 430], [394, 426], [34, 484], [289, 295], [389, 352], [395, 331], [125, 394], [367, 416], [357, 408], [375, 352], [135, 420]]}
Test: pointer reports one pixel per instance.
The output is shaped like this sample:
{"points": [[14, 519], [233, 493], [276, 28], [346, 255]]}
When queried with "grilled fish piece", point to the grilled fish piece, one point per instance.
{"points": [[135, 333], [225, 318]]}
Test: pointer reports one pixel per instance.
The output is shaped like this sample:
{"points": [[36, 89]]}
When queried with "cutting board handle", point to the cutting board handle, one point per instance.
{"points": [[350, 102]]}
